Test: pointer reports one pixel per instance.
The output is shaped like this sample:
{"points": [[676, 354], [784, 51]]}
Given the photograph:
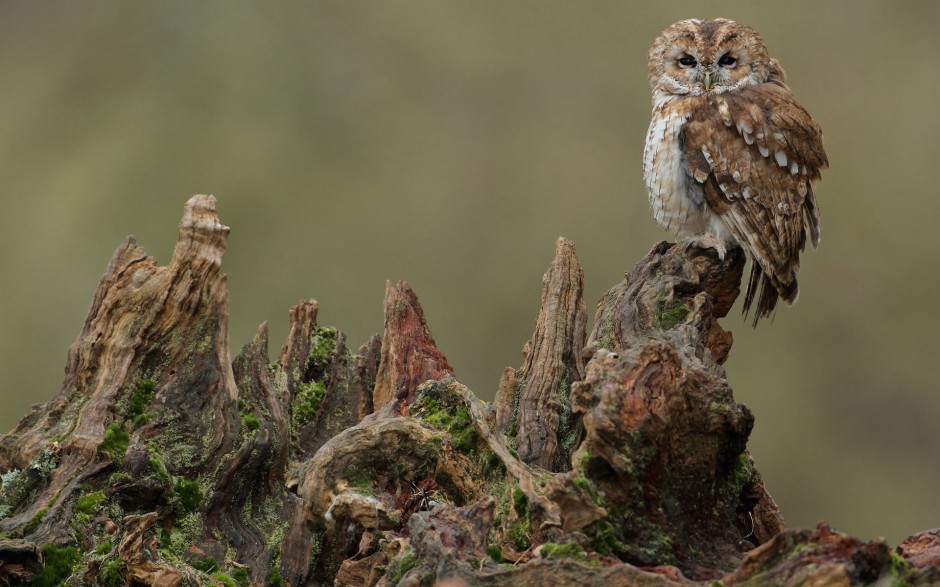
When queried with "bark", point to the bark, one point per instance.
{"points": [[617, 458], [533, 402]]}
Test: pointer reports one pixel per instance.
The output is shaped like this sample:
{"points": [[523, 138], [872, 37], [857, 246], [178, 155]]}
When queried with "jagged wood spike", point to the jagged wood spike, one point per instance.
{"points": [[533, 402], [409, 354]]}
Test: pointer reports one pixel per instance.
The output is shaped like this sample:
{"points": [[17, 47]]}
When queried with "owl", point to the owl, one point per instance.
{"points": [[731, 157]]}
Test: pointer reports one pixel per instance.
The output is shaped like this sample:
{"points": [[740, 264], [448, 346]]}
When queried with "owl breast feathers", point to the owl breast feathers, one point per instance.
{"points": [[730, 156]]}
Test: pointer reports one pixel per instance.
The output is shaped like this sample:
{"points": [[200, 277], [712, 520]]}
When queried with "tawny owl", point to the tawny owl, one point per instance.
{"points": [[730, 156]]}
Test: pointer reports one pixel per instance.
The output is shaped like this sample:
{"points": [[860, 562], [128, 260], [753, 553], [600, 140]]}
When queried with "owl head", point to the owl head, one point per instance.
{"points": [[695, 57]]}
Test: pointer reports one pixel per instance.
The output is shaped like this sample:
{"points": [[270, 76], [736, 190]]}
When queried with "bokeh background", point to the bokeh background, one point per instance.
{"points": [[449, 144]]}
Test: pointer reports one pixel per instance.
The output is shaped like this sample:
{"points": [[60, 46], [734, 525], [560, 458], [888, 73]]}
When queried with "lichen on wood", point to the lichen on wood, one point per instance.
{"points": [[617, 458]]}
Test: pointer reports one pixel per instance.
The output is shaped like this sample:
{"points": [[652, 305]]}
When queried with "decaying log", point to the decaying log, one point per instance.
{"points": [[614, 459]]}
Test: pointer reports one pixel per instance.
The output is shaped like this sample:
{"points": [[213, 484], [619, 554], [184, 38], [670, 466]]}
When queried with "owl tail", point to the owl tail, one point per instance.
{"points": [[771, 290]]}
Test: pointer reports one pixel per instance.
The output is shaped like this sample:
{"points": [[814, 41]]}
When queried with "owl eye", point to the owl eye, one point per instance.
{"points": [[687, 61], [727, 61]]}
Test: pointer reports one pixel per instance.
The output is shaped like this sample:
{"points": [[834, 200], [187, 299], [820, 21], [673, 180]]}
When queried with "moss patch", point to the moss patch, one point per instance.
{"points": [[571, 550], [407, 562], [520, 502], [251, 421], [450, 415], [496, 553], [89, 503], [139, 401], [274, 575], [115, 442], [671, 315], [105, 547], [31, 526], [224, 579], [111, 573], [307, 402], [519, 534], [628, 534], [322, 345], [207, 565], [189, 494], [57, 565], [241, 577]]}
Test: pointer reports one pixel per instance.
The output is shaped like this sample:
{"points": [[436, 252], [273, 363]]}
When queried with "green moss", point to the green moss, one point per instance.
{"points": [[520, 502], [899, 570], [322, 345], [274, 575], [186, 529], [571, 550], [453, 417], [139, 401], [496, 553], [157, 467], [669, 316], [111, 573], [307, 402], [464, 432], [105, 547], [57, 565], [189, 494], [206, 564], [630, 535], [89, 503], [118, 477], [605, 540], [743, 477], [519, 534], [241, 577], [115, 442], [251, 421], [585, 484], [31, 526], [361, 480], [566, 550], [407, 562]]}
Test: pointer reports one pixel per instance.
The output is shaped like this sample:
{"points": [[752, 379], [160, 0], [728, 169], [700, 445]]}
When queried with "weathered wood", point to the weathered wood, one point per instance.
{"points": [[616, 460], [533, 402], [677, 292], [409, 354]]}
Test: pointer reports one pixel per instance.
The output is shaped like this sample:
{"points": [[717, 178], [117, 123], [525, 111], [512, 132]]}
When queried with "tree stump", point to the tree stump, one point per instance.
{"points": [[614, 458]]}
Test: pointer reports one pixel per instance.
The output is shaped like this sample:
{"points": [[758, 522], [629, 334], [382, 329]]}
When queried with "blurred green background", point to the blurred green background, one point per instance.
{"points": [[449, 144]]}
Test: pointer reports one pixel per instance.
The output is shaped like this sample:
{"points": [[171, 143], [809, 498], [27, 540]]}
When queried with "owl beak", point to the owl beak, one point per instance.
{"points": [[708, 80]]}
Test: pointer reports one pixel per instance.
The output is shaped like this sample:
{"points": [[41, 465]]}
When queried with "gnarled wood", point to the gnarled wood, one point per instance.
{"points": [[162, 463], [533, 404], [409, 353]]}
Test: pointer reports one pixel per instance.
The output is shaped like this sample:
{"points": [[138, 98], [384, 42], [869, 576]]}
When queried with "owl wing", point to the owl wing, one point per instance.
{"points": [[756, 152]]}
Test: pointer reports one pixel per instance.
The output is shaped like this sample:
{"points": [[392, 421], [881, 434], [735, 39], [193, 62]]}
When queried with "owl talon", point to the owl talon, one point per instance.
{"points": [[709, 241]]}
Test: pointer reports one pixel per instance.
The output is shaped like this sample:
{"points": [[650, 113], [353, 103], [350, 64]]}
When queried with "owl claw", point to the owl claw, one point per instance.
{"points": [[709, 241]]}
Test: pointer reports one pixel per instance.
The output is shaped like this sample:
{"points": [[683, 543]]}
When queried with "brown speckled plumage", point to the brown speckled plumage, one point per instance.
{"points": [[730, 156]]}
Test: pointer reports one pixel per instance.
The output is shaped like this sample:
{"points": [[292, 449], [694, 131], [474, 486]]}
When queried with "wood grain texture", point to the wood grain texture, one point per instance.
{"points": [[164, 463]]}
